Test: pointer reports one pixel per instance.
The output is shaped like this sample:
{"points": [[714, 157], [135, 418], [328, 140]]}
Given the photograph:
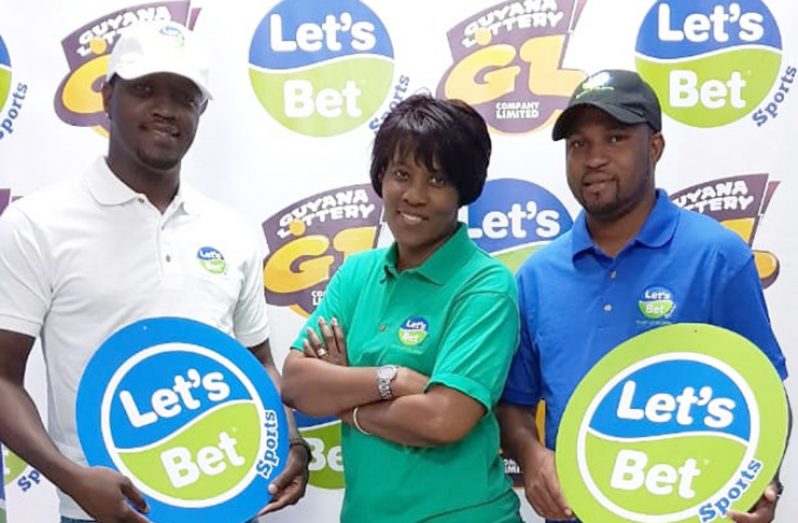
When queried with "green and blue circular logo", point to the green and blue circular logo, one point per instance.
{"points": [[5, 73], [657, 303], [513, 218], [413, 331], [680, 424], [211, 260], [321, 68], [189, 415], [711, 62]]}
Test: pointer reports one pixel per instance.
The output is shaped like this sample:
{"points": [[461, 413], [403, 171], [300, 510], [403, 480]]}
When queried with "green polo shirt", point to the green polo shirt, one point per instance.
{"points": [[455, 319]]}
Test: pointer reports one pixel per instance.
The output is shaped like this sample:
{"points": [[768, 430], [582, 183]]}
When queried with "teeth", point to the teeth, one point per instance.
{"points": [[411, 218]]}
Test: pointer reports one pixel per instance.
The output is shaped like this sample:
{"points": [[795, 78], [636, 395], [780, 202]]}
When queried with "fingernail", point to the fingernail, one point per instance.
{"points": [[321, 320], [272, 489], [335, 321]]}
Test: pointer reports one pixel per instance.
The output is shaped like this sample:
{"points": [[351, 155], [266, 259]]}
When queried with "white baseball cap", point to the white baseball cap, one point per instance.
{"points": [[159, 47]]}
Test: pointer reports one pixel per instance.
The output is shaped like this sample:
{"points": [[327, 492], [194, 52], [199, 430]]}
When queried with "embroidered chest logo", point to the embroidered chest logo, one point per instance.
{"points": [[212, 260], [657, 303], [413, 331]]}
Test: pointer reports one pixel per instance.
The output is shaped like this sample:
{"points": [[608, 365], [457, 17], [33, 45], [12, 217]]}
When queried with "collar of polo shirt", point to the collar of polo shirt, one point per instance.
{"points": [[439, 267]]}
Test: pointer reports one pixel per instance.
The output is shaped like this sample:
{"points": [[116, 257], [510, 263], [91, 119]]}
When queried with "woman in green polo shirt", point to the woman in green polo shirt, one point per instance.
{"points": [[411, 344]]}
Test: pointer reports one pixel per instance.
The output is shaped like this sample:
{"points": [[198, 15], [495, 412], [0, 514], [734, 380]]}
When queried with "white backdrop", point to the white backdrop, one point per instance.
{"points": [[266, 155]]}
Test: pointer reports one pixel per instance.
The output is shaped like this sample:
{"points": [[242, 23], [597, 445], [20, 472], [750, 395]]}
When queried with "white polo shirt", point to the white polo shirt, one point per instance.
{"points": [[83, 258]]}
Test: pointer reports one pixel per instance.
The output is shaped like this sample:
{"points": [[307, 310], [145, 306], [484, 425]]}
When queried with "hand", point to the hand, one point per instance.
{"points": [[332, 348], [763, 512], [542, 487], [408, 382], [290, 485], [104, 494]]}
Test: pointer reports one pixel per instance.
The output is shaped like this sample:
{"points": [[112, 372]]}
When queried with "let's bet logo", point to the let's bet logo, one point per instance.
{"points": [[321, 68], [413, 331], [78, 100], [680, 424], [507, 63], [713, 62], [189, 415], [10, 113], [514, 218]]}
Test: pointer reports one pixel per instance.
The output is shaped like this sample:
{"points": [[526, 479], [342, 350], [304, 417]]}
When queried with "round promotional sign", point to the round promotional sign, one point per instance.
{"points": [[680, 424], [189, 415]]}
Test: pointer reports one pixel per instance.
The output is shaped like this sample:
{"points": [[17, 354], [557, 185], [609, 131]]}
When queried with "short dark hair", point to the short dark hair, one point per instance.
{"points": [[448, 134]]}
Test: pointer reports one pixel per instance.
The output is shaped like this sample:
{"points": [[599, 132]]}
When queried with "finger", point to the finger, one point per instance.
{"points": [[553, 486], [340, 339], [308, 350], [314, 340], [134, 495], [295, 469], [542, 502], [288, 496], [762, 515], [329, 337], [131, 516]]}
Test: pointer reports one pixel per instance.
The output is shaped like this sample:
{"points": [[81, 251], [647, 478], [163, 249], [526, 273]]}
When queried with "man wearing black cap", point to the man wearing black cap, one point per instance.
{"points": [[127, 240], [579, 295]]}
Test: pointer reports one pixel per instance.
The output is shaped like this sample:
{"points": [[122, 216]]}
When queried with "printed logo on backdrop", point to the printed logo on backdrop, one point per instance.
{"points": [[326, 461], [78, 100], [511, 220], [514, 218], [310, 239], [713, 62], [739, 203], [189, 415], [18, 474], [508, 63], [14, 96], [680, 424], [322, 68]]}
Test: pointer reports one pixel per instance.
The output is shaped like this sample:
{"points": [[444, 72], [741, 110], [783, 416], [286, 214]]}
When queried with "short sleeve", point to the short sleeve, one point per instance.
{"points": [[524, 383], [480, 338], [250, 320], [25, 289], [740, 307]]}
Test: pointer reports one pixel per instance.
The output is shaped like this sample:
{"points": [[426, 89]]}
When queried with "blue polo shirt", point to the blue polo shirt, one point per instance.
{"points": [[577, 303]]}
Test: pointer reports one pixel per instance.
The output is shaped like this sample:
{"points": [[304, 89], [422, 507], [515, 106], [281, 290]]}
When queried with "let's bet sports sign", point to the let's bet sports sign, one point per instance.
{"points": [[680, 424], [189, 415]]}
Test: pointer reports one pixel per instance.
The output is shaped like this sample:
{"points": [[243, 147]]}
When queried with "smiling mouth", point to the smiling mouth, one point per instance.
{"points": [[168, 131], [410, 219]]}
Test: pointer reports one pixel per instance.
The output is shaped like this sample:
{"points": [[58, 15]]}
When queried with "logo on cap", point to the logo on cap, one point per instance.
{"points": [[175, 33], [188, 414], [597, 82]]}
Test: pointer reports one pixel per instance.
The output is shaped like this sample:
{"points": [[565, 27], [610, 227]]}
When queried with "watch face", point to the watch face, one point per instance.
{"points": [[386, 372]]}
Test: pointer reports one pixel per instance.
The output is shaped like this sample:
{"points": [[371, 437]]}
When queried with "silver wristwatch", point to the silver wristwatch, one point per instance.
{"points": [[385, 375]]}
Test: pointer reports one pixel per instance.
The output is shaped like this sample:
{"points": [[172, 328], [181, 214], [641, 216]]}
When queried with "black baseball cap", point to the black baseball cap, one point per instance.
{"points": [[621, 94]]}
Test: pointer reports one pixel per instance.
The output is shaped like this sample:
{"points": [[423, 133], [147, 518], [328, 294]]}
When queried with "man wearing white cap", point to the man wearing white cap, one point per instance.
{"points": [[88, 256]]}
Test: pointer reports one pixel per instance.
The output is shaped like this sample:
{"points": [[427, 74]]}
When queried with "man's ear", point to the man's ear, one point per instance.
{"points": [[657, 146], [107, 93]]}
